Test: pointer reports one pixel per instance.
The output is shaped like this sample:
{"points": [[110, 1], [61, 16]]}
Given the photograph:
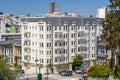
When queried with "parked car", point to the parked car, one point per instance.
{"points": [[66, 73], [79, 71], [62, 71], [20, 71], [69, 73]]}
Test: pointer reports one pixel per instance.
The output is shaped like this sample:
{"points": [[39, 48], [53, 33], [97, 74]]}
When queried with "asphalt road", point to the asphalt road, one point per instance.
{"points": [[52, 77]]}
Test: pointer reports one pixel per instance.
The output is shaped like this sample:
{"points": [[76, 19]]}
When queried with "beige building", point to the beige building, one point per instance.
{"points": [[55, 41], [11, 51]]}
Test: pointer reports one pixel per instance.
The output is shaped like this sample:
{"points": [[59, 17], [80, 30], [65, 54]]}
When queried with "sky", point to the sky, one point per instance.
{"points": [[36, 7]]}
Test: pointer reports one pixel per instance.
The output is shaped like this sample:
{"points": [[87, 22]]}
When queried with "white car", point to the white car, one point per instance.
{"points": [[79, 71]]}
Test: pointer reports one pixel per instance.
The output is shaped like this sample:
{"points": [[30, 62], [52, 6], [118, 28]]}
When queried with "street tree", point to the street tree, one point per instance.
{"points": [[111, 31], [77, 61], [111, 28], [5, 72], [99, 71]]}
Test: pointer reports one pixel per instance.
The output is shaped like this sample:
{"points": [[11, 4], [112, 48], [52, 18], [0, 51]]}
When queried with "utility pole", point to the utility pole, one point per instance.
{"points": [[39, 74], [36, 60]]}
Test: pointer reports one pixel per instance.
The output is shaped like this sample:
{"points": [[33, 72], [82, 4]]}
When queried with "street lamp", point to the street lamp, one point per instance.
{"points": [[36, 60], [36, 64], [39, 74]]}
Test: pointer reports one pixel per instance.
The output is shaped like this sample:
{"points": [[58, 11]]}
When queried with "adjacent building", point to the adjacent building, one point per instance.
{"points": [[103, 52], [52, 42], [11, 51], [10, 38], [101, 12]]}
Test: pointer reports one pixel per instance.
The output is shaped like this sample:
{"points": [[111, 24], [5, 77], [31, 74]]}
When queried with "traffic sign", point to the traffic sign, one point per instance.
{"points": [[36, 60]]}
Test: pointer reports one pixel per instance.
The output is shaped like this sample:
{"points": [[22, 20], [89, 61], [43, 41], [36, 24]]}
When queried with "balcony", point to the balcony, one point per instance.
{"points": [[102, 56], [27, 35], [27, 42], [27, 49]]}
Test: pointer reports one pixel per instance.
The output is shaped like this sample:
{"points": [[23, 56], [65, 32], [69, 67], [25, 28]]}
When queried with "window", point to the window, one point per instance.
{"points": [[55, 59], [71, 27], [79, 49], [36, 43], [47, 60], [35, 35], [92, 55], [92, 27], [72, 35], [42, 60], [55, 27], [93, 34], [64, 36], [32, 43], [49, 44], [41, 36], [55, 35], [93, 48], [60, 35], [49, 36], [41, 28], [29, 27], [32, 50], [36, 27], [63, 27], [60, 27], [32, 35], [25, 27], [55, 43], [74, 27], [72, 42], [64, 43], [93, 41], [47, 28], [25, 49], [42, 45]]}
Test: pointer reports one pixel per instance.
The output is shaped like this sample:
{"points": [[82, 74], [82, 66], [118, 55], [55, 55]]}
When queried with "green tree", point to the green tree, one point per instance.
{"points": [[117, 71], [111, 31], [78, 60], [5, 72], [99, 71], [111, 28]]}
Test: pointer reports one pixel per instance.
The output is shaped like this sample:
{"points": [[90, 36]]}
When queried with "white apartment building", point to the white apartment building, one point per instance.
{"points": [[101, 12], [55, 41]]}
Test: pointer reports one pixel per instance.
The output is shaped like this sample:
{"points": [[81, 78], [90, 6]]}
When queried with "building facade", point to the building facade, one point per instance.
{"points": [[11, 51], [103, 52], [101, 12], [53, 42]]}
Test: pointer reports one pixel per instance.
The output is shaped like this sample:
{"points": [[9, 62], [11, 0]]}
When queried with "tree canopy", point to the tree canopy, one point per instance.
{"points": [[99, 71], [5, 72], [111, 31], [78, 60]]}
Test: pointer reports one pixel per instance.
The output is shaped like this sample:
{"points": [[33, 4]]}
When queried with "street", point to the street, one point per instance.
{"points": [[51, 77]]}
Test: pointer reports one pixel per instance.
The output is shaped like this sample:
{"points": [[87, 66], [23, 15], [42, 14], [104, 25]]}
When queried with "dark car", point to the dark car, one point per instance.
{"points": [[69, 73], [62, 71], [20, 71], [66, 73]]}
